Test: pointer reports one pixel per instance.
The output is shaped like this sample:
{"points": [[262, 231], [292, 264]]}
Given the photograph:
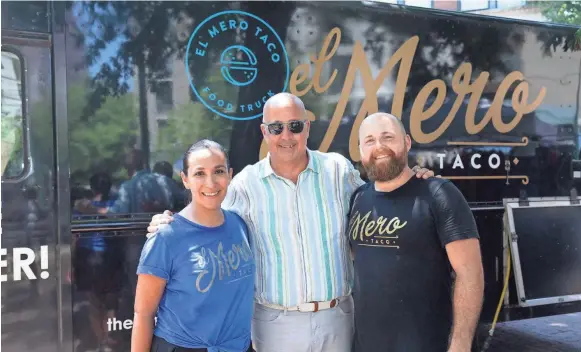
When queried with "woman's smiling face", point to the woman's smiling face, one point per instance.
{"points": [[207, 177]]}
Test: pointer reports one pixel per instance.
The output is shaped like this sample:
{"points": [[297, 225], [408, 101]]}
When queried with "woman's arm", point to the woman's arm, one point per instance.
{"points": [[147, 296]]}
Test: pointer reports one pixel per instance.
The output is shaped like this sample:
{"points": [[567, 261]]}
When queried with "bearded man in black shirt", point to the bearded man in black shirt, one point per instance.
{"points": [[409, 237]]}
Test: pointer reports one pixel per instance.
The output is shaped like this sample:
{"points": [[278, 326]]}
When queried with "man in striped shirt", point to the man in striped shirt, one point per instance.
{"points": [[295, 202]]}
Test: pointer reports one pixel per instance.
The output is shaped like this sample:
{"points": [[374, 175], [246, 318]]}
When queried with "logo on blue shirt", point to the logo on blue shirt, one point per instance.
{"points": [[231, 265], [226, 53]]}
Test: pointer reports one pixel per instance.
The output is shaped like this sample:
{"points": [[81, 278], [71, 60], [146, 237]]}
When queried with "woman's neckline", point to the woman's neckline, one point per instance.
{"points": [[204, 227]]}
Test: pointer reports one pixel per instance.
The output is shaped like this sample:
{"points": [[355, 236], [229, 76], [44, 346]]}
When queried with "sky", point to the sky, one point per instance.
{"points": [[106, 54]]}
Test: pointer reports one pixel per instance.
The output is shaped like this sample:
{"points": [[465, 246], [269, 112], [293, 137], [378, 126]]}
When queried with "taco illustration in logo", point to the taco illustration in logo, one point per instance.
{"points": [[230, 76], [239, 72]]}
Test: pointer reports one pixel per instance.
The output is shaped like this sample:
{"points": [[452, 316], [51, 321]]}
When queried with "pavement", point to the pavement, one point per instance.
{"points": [[559, 333]]}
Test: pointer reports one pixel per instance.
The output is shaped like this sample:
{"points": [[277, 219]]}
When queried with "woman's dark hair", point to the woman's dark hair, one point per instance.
{"points": [[101, 184], [203, 144]]}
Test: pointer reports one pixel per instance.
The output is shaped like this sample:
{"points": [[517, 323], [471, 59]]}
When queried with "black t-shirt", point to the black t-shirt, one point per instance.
{"points": [[403, 278]]}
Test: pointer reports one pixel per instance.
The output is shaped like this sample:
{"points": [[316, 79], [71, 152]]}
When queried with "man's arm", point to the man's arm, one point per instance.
{"points": [[237, 200], [468, 292], [353, 179], [459, 235], [121, 204]]}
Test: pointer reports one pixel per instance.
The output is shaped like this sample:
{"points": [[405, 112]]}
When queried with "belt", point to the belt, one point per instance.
{"points": [[307, 306]]}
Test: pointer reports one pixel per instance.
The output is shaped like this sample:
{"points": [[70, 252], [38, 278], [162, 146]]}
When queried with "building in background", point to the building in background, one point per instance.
{"points": [[518, 9]]}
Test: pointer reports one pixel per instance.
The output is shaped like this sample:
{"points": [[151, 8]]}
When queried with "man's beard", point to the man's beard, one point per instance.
{"points": [[385, 170]]}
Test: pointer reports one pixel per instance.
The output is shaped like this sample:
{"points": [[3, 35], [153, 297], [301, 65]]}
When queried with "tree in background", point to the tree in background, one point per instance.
{"points": [[565, 12], [187, 124], [149, 35], [12, 145], [96, 141]]}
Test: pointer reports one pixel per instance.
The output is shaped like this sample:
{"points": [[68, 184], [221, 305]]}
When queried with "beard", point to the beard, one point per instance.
{"points": [[385, 169]]}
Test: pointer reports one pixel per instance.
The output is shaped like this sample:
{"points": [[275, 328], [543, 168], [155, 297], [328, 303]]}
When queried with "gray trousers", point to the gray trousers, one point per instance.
{"points": [[329, 330]]}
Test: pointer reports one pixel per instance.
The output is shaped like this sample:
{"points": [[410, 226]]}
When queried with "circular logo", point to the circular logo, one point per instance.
{"points": [[230, 60]]}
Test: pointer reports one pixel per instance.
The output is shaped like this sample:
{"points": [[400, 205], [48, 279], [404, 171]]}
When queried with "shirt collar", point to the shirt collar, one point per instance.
{"points": [[266, 169]]}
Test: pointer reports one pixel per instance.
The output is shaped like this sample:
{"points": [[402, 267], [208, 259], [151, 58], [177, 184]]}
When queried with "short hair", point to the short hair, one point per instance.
{"points": [[100, 183], [164, 168]]}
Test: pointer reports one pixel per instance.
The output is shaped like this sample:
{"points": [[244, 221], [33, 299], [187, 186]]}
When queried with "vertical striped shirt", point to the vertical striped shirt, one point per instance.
{"points": [[298, 230]]}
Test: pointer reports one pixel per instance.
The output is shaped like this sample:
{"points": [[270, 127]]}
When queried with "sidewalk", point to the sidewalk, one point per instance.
{"points": [[561, 333]]}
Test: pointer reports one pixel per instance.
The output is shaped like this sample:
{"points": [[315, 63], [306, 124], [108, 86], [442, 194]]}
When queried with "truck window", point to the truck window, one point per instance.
{"points": [[13, 157]]}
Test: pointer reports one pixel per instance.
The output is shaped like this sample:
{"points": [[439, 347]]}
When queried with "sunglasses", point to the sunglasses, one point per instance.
{"points": [[276, 128]]}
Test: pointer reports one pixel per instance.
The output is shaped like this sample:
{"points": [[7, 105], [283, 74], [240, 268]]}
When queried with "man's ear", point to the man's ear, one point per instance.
{"points": [[231, 172], [408, 142]]}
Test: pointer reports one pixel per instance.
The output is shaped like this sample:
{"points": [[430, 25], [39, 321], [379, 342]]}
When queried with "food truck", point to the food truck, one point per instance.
{"points": [[94, 93]]}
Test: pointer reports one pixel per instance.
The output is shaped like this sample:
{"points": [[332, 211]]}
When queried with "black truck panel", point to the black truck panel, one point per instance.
{"points": [[491, 103]]}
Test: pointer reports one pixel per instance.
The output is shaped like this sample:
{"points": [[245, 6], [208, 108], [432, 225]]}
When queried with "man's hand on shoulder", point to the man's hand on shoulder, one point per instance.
{"points": [[158, 221], [423, 172]]}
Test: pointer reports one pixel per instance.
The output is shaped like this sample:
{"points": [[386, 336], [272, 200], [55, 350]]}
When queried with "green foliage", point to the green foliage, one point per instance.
{"points": [[188, 124], [97, 142], [10, 124], [564, 12], [147, 30], [12, 146], [567, 12]]}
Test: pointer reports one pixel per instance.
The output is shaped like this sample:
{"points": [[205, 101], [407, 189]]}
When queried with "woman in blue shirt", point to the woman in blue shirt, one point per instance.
{"points": [[196, 276]]}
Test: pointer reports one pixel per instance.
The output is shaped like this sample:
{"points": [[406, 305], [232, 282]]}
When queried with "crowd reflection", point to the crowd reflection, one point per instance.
{"points": [[104, 262], [144, 192]]}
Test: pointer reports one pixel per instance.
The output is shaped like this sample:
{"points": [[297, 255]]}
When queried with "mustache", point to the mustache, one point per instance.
{"points": [[385, 171], [383, 151]]}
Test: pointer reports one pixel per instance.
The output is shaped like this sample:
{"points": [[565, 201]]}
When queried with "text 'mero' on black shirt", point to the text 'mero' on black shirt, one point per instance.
{"points": [[403, 293]]}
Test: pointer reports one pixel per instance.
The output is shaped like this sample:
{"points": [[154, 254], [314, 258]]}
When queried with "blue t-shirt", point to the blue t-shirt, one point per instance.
{"points": [[209, 294]]}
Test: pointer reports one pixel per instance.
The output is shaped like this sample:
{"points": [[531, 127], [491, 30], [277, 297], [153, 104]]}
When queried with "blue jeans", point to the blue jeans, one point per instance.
{"points": [[329, 330]]}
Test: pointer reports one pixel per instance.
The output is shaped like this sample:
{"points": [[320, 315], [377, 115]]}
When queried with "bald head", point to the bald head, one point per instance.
{"points": [[372, 121], [283, 100]]}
